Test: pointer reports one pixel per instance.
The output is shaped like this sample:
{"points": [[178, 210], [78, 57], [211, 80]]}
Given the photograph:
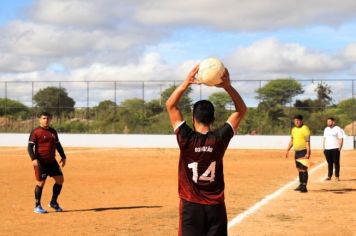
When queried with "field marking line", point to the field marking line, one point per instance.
{"points": [[240, 217]]}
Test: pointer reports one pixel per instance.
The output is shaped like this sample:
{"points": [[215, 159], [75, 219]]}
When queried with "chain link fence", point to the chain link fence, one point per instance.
{"points": [[138, 106]]}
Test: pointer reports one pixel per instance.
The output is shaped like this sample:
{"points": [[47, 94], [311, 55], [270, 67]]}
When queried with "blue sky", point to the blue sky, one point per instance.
{"points": [[79, 40], [11, 10]]}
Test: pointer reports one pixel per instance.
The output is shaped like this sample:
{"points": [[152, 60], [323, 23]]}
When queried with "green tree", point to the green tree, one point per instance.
{"points": [[106, 111], [132, 113], [54, 100], [279, 91], [221, 100], [274, 96], [306, 105], [323, 92], [153, 108], [323, 99], [185, 101], [14, 109], [347, 108]]}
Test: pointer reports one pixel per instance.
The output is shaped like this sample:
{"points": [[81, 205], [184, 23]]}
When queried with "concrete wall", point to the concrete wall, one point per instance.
{"points": [[161, 141]]}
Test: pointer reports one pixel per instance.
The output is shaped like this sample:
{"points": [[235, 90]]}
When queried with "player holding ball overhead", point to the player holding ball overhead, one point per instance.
{"points": [[202, 208]]}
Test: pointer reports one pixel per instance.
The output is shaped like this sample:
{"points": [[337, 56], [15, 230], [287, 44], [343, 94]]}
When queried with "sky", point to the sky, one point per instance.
{"points": [[151, 40]]}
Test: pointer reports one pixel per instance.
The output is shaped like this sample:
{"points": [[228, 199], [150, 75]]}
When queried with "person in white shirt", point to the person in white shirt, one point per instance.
{"points": [[332, 145]]}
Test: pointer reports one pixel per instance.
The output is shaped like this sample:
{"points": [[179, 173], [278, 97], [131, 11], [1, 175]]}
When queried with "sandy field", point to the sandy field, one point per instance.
{"points": [[134, 192]]}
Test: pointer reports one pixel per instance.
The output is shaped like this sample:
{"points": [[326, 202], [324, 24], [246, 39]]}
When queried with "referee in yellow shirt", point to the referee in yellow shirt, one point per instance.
{"points": [[300, 141]]}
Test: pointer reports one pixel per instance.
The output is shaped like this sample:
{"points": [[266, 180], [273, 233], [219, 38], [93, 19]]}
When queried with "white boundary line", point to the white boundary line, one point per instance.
{"points": [[240, 217]]}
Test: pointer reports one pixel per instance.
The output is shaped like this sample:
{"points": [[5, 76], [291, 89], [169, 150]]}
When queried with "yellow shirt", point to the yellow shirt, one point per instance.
{"points": [[300, 137]]}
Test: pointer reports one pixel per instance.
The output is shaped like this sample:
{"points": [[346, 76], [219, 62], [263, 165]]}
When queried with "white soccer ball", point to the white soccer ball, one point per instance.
{"points": [[210, 71]]}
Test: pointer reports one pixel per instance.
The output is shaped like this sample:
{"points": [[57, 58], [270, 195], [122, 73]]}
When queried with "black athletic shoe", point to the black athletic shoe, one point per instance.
{"points": [[298, 188], [55, 206], [303, 189]]}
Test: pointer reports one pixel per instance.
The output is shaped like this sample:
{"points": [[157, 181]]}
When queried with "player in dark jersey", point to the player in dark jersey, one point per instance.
{"points": [[42, 146], [200, 173]]}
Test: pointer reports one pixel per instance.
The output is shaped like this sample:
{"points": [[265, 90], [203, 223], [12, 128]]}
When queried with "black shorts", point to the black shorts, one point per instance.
{"points": [[201, 219], [47, 169], [300, 154]]}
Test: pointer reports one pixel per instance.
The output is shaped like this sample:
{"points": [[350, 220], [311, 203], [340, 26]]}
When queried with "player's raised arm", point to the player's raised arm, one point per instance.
{"points": [[174, 113], [240, 106]]}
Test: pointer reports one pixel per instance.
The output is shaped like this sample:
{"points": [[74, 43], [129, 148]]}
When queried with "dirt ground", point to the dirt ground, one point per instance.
{"points": [[134, 192]]}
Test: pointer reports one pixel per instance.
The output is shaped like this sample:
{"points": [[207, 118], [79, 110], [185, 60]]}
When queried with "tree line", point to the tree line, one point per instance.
{"points": [[272, 115]]}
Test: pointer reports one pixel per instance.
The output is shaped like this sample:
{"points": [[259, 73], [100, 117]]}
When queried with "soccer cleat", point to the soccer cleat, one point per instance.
{"points": [[327, 178], [55, 206], [303, 189], [38, 209], [298, 188], [337, 179]]}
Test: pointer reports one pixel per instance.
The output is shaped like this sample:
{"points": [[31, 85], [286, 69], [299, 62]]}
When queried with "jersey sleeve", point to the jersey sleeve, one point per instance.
{"points": [[226, 131], [183, 132], [340, 133], [56, 139], [33, 137]]}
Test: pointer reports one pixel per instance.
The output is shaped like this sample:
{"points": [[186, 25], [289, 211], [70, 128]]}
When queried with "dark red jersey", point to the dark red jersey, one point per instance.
{"points": [[45, 141], [200, 171]]}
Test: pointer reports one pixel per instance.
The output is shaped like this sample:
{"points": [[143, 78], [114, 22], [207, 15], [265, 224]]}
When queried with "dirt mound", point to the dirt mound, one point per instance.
{"points": [[350, 129]]}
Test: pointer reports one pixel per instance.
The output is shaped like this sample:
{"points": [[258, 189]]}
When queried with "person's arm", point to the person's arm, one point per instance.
{"points": [[341, 143], [308, 150], [290, 145], [323, 143], [324, 138], [30, 151], [30, 148], [61, 153], [307, 140], [174, 113], [240, 106], [341, 136]]}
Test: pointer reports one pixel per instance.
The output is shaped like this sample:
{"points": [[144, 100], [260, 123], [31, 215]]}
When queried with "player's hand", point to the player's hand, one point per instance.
{"points": [[35, 162], [225, 80], [63, 162], [191, 76]]}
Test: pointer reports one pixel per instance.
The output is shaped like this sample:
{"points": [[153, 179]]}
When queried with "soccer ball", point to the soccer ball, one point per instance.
{"points": [[210, 71]]}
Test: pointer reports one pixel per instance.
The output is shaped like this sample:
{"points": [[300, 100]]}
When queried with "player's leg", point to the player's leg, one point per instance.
{"points": [[300, 168], [304, 177], [57, 175], [40, 175], [329, 160], [336, 160], [300, 176], [192, 219], [216, 220]]}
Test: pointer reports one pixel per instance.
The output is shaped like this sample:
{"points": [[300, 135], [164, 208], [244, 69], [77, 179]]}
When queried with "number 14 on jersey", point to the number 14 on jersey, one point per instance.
{"points": [[208, 175]]}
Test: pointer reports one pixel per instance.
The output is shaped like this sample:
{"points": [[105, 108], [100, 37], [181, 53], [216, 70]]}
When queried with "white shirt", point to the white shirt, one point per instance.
{"points": [[332, 137]]}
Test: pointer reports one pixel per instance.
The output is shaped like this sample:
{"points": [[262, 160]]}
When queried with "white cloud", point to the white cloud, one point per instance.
{"points": [[246, 14], [271, 56], [350, 53], [149, 68], [81, 13], [35, 46], [110, 36]]}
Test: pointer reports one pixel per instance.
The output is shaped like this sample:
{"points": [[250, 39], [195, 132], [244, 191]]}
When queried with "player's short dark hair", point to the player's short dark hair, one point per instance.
{"points": [[331, 118], [299, 117], [203, 112], [45, 113]]}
